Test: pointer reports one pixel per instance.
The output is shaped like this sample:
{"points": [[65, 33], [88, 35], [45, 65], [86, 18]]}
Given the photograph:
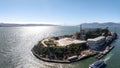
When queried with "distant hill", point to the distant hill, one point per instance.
{"points": [[101, 24], [15, 25]]}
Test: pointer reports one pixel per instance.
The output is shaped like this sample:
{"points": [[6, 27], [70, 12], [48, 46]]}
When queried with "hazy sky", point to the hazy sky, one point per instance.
{"points": [[64, 12]]}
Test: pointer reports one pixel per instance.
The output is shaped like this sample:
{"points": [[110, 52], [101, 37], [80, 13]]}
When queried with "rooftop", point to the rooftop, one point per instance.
{"points": [[97, 38]]}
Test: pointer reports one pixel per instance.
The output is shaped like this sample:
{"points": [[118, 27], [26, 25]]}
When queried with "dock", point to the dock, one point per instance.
{"points": [[103, 53]]}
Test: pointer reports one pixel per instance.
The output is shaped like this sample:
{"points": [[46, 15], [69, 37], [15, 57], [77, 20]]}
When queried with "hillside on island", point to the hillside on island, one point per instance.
{"points": [[69, 48]]}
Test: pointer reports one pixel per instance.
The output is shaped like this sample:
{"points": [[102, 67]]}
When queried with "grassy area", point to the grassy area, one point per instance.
{"points": [[57, 52], [49, 43]]}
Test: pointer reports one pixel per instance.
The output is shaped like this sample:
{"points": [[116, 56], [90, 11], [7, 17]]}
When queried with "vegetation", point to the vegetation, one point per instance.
{"points": [[40, 44], [105, 31], [59, 53], [76, 35], [98, 32], [49, 43]]}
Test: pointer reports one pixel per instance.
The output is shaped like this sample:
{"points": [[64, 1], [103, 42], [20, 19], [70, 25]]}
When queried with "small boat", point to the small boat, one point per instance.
{"points": [[98, 64]]}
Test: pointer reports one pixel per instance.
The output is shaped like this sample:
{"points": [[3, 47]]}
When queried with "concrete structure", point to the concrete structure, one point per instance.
{"points": [[109, 38], [114, 35], [96, 42], [73, 58], [68, 41]]}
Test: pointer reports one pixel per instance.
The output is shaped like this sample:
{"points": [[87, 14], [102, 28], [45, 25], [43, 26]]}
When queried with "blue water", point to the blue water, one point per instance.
{"points": [[16, 44]]}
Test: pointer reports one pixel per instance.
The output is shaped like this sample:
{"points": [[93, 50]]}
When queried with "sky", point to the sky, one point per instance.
{"points": [[61, 12]]}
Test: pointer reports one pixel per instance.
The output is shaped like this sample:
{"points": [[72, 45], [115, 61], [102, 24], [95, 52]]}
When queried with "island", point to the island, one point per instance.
{"points": [[87, 43]]}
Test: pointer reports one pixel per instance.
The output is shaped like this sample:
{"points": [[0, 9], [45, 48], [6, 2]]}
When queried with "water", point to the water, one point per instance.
{"points": [[16, 44]]}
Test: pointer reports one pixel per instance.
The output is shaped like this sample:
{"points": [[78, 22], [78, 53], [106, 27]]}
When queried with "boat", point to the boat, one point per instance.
{"points": [[98, 64]]}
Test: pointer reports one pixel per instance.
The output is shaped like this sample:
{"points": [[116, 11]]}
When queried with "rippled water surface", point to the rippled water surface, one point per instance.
{"points": [[16, 44]]}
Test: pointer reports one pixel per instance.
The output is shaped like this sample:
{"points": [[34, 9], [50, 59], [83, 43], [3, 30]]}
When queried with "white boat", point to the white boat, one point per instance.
{"points": [[98, 64]]}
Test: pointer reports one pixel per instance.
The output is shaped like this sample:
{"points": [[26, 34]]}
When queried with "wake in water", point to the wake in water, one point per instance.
{"points": [[65, 66], [108, 57]]}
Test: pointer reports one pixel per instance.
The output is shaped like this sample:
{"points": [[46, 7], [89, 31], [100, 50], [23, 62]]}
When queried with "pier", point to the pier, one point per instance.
{"points": [[103, 53]]}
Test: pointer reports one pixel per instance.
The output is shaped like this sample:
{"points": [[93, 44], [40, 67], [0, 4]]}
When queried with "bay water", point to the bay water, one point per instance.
{"points": [[16, 44]]}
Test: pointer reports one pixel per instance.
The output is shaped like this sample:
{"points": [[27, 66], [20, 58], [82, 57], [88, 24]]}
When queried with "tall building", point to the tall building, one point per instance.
{"points": [[96, 42]]}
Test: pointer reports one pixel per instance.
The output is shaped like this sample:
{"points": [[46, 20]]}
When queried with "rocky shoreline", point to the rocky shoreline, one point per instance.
{"points": [[58, 61]]}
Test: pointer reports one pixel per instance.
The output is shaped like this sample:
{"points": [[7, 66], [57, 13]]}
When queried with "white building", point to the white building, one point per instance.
{"points": [[96, 42]]}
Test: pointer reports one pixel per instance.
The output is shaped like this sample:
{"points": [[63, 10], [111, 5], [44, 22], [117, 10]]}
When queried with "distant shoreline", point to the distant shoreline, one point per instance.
{"points": [[21, 25], [84, 24]]}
